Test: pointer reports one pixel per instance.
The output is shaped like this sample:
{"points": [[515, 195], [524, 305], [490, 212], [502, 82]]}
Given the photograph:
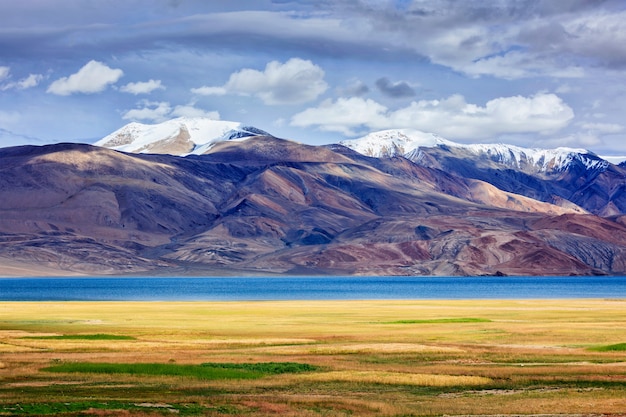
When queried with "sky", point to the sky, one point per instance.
{"points": [[530, 73]]}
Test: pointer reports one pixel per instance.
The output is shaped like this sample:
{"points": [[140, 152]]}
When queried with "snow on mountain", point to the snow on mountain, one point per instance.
{"points": [[408, 143], [181, 136], [396, 142]]}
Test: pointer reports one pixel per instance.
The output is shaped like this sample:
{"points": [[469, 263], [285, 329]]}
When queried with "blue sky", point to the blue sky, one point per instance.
{"points": [[531, 73]]}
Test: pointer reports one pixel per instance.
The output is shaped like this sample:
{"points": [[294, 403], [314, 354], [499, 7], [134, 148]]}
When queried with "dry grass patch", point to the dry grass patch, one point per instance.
{"points": [[10, 348], [256, 342], [397, 378], [382, 348], [360, 348]]}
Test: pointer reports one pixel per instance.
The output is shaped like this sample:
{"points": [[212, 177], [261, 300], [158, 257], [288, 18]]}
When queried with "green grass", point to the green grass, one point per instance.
{"points": [[267, 368], [206, 371], [440, 321], [619, 347], [99, 336]]}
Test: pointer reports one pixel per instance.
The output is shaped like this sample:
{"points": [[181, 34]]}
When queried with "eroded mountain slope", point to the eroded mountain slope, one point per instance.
{"points": [[266, 205]]}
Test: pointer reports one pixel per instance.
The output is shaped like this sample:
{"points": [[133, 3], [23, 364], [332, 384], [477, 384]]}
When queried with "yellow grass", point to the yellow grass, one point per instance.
{"points": [[361, 348], [397, 378], [374, 357]]}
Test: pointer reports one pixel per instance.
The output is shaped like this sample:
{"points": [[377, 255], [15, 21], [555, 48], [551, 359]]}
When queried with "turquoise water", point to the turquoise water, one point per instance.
{"points": [[307, 288]]}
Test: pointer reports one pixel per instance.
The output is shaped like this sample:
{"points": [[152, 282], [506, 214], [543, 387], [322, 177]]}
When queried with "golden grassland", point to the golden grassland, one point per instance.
{"points": [[370, 358]]}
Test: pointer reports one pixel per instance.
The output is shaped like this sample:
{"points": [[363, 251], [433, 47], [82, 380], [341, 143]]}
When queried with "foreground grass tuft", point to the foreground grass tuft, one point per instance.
{"points": [[99, 336], [207, 371]]}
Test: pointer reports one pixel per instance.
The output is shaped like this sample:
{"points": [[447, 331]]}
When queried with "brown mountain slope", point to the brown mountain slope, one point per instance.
{"points": [[266, 205], [598, 189]]}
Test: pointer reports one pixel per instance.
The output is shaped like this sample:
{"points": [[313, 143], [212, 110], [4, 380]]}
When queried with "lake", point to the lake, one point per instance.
{"points": [[308, 288]]}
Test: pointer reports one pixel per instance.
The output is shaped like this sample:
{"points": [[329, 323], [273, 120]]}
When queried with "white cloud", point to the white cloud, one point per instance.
{"points": [[159, 111], [343, 115], [294, 82], [452, 117], [189, 110], [210, 91], [94, 77], [151, 110], [31, 81], [142, 87]]}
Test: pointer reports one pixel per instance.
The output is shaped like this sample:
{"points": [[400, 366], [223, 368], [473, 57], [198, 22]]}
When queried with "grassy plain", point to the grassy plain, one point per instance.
{"points": [[314, 358]]}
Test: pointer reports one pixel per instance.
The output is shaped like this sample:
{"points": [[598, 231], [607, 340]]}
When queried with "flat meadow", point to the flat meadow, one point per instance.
{"points": [[314, 358]]}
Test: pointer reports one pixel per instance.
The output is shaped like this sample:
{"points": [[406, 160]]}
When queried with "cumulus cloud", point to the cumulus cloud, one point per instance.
{"points": [[94, 77], [398, 89], [4, 72], [344, 115], [142, 87], [159, 111], [452, 117], [155, 111], [293, 82]]}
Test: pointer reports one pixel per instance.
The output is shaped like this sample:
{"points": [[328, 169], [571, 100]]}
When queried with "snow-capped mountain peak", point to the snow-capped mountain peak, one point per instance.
{"points": [[409, 143], [542, 159], [181, 136], [394, 142]]}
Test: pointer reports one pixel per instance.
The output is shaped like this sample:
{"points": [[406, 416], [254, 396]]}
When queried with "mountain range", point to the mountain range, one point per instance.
{"points": [[202, 197]]}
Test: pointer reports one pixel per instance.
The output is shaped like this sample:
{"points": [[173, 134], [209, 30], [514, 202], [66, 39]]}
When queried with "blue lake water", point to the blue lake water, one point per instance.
{"points": [[308, 288]]}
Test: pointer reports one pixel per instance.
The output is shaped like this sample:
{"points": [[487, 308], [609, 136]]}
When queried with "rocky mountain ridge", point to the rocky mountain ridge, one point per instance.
{"points": [[562, 176], [270, 206]]}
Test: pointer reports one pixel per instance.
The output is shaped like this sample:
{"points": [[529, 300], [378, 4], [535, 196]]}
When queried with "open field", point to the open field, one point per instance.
{"points": [[314, 358]]}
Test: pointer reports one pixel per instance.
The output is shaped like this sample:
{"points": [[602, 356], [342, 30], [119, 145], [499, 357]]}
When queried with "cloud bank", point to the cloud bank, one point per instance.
{"points": [[451, 117]]}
